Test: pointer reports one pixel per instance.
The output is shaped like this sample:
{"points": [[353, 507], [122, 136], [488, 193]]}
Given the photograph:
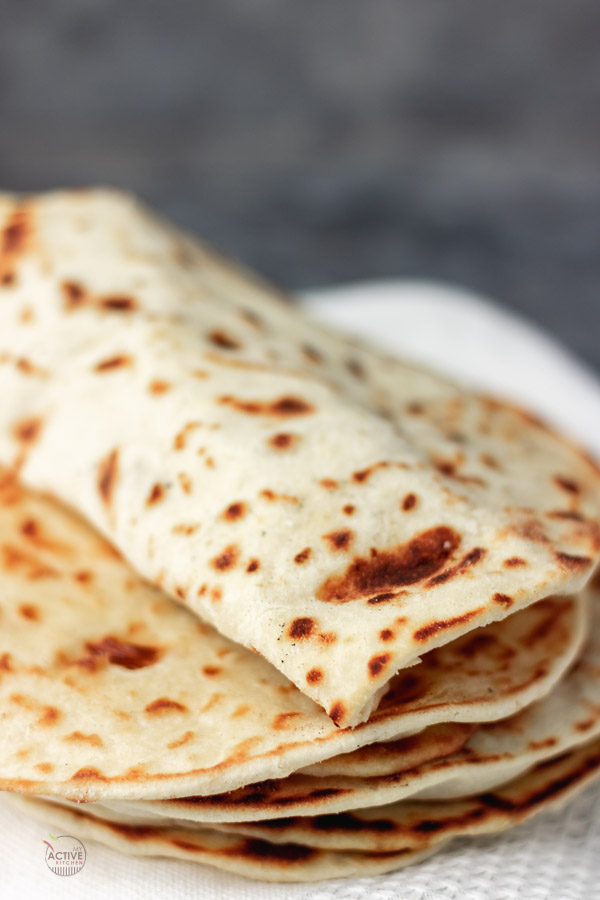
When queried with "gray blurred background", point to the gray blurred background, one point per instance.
{"points": [[332, 140]]}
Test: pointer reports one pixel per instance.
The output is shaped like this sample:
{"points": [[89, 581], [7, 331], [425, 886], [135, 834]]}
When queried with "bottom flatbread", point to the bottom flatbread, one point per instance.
{"points": [[419, 829]]}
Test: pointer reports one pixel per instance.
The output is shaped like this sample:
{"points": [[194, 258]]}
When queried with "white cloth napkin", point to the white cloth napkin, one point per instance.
{"points": [[557, 855]]}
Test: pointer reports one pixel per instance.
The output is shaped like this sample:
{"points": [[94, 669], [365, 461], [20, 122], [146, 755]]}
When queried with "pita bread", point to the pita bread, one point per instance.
{"points": [[420, 829], [108, 689], [339, 512]]}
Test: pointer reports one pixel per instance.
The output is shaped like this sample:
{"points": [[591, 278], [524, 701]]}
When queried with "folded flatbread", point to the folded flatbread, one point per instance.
{"points": [[339, 512], [109, 689]]}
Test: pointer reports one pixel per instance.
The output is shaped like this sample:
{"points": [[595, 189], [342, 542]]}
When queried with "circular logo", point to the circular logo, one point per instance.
{"points": [[65, 855]]}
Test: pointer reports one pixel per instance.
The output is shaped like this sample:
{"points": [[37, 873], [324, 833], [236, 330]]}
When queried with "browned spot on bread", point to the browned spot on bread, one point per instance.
{"points": [[79, 737], [278, 853], [314, 675], [567, 484], [348, 509], [157, 493], [115, 362], [386, 634], [83, 576], [253, 565], [532, 530], [283, 720], [5, 663], [215, 594], [25, 366], [50, 716], [185, 482], [181, 438], [271, 495], [15, 240], [222, 339], [490, 461], [584, 725], [380, 598], [572, 562], [29, 611], [542, 744], [74, 295], [513, 561], [302, 556], [44, 767], [446, 467], [449, 469], [301, 628], [180, 592], [211, 670], [569, 514], [385, 570], [409, 502], [119, 653], [311, 353], [326, 637], [503, 599], [330, 484], [234, 511], [132, 832], [378, 663], [212, 701], [159, 387], [355, 368], [185, 529], [88, 774], [32, 530], [242, 710], [422, 634], [163, 704], [180, 741], [252, 318], [108, 471], [283, 441], [227, 559], [339, 540], [470, 559], [478, 642], [118, 303], [27, 431], [283, 407], [337, 712], [13, 559]]}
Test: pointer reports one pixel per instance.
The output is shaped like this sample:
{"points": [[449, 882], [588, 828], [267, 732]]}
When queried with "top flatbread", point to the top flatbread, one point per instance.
{"points": [[339, 512]]}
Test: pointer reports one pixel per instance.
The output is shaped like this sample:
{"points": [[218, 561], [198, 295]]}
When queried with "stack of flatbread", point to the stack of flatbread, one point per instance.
{"points": [[270, 600]]}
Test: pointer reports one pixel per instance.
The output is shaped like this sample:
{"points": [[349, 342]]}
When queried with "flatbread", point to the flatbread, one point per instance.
{"points": [[389, 757], [339, 512], [420, 829], [109, 690]]}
